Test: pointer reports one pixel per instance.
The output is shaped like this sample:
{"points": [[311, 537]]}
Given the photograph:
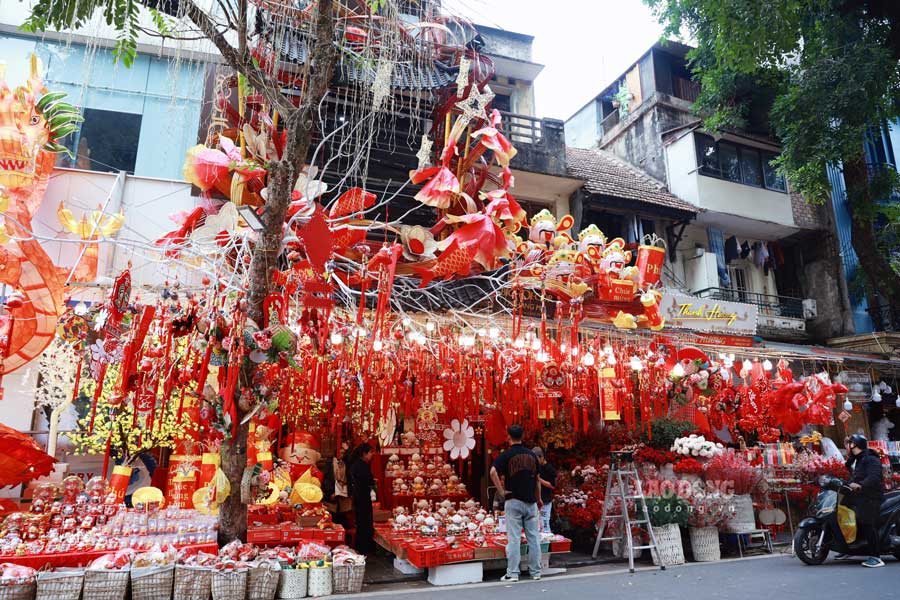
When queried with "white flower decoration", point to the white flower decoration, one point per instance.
{"points": [[459, 439]]}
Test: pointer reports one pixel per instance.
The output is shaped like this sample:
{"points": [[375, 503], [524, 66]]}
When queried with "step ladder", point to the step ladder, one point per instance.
{"points": [[623, 477]]}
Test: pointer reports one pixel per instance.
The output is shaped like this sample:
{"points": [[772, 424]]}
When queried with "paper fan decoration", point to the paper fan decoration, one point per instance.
{"points": [[459, 439], [148, 495]]}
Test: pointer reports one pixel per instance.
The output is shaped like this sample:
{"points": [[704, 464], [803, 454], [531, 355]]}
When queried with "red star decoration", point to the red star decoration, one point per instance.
{"points": [[318, 240]]}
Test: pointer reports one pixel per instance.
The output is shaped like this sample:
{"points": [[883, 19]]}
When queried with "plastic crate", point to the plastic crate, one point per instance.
{"points": [[422, 558], [457, 554], [565, 546]]}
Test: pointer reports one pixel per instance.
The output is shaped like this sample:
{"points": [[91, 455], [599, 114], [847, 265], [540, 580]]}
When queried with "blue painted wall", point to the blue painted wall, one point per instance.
{"points": [[167, 94]]}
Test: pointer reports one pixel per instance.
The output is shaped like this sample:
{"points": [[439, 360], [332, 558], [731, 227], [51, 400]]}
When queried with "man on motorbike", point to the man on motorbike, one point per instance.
{"points": [[866, 479]]}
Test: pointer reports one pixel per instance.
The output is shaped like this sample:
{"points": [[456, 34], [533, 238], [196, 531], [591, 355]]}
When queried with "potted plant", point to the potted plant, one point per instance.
{"points": [[733, 476], [667, 514], [709, 511]]}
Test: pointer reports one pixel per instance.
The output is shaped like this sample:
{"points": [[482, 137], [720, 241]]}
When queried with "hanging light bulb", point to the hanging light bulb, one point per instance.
{"points": [[420, 338], [361, 332], [519, 343], [727, 362], [542, 356], [678, 370], [406, 321], [494, 333], [563, 348], [636, 364], [607, 349], [429, 326], [897, 402], [482, 332], [611, 359], [876, 395], [588, 360], [81, 309], [336, 338], [848, 406], [767, 365], [536, 344], [746, 365], [377, 345], [574, 350]]}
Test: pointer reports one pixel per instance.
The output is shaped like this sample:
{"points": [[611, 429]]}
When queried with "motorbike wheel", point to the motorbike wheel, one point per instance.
{"points": [[805, 541]]}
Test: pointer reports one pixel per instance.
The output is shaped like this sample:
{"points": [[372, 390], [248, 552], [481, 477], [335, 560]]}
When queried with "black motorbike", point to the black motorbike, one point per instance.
{"points": [[819, 534]]}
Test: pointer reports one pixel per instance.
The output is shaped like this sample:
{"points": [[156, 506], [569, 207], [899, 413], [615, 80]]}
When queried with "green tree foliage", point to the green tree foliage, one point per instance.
{"points": [[832, 69]]}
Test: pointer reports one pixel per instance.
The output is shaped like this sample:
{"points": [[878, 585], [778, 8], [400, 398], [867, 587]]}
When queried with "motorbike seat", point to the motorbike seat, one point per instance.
{"points": [[890, 502]]}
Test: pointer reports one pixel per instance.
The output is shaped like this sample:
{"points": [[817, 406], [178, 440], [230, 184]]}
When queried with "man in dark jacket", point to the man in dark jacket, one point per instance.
{"points": [[866, 479]]}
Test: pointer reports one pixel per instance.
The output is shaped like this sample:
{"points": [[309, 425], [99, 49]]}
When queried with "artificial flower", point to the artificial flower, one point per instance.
{"points": [[418, 243]]}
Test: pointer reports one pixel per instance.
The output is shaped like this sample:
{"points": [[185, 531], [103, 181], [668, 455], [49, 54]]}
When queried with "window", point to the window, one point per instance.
{"points": [[106, 141], [774, 179], [730, 162], [502, 103], [751, 171], [738, 284], [741, 164], [707, 155]]}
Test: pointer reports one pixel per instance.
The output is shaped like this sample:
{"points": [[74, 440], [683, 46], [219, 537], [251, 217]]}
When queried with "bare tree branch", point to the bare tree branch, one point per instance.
{"points": [[242, 27], [242, 63]]}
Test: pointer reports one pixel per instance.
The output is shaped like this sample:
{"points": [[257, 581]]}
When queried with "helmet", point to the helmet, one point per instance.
{"points": [[859, 440]]}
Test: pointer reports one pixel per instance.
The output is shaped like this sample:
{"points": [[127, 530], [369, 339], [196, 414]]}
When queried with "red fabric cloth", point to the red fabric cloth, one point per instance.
{"points": [[80, 559]]}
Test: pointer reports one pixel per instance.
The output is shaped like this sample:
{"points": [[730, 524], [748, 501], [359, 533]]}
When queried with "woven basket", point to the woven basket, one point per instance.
{"points": [[152, 583], [60, 585], [102, 584], [18, 591], [743, 518], [192, 583], [668, 541], [320, 583], [262, 580], [292, 584], [229, 585], [348, 579], [705, 544]]}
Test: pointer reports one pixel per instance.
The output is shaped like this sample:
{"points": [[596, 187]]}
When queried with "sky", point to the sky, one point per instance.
{"points": [[583, 44]]}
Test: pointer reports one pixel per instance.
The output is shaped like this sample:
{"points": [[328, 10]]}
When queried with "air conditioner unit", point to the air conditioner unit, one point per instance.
{"points": [[809, 309]]}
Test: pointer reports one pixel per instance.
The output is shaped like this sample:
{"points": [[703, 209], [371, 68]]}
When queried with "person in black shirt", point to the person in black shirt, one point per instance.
{"points": [[520, 486], [361, 482], [547, 474], [866, 480]]}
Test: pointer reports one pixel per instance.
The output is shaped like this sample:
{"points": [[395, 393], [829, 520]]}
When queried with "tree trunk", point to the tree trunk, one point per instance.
{"points": [[300, 126], [879, 274], [233, 512]]}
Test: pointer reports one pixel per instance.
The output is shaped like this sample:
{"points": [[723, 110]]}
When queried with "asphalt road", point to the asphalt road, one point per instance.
{"points": [[769, 578]]}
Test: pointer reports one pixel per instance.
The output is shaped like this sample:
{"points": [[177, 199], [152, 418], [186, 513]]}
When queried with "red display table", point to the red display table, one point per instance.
{"points": [[81, 559], [433, 552]]}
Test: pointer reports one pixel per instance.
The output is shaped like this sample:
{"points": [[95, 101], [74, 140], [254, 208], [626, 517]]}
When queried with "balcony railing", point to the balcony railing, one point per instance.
{"points": [[885, 317], [541, 143], [522, 128], [685, 89], [609, 121], [768, 305]]}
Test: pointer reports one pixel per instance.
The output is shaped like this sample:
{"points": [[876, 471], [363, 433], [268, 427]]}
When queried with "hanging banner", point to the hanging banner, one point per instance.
{"points": [[707, 314], [609, 405]]}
